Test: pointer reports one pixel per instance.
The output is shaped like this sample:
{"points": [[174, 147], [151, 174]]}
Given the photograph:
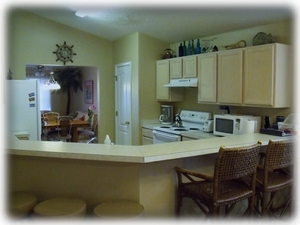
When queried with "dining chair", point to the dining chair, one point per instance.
{"points": [[50, 116], [63, 132], [226, 187], [275, 174], [90, 132], [46, 118]]}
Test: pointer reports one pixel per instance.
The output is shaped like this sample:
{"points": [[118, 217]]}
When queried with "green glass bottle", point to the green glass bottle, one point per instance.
{"points": [[184, 49], [192, 48], [188, 51], [198, 48]]}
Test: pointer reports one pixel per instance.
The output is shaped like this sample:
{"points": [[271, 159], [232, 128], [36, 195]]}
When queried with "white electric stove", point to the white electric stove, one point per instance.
{"points": [[192, 121]]}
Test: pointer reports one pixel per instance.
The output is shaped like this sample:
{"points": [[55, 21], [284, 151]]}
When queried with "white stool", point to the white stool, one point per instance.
{"points": [[21, 204], [60, 208], [118, 210]]}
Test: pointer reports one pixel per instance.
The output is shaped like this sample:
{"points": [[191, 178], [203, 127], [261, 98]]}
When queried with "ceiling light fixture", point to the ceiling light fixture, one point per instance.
{"points": [[51, 84], [80, 13], [40, 71], [89, 12]]}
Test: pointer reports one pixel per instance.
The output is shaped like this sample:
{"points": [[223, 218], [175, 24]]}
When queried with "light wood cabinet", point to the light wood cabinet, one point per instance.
{"points": [[175, 68], [189, 67], [267, 76], [230, 77], [163, 77], [147, 138], [257, 76], [207, 78]]}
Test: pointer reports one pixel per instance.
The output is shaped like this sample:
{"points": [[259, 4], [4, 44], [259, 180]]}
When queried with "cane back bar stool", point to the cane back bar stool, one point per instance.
{"points": [[274, 174], [225, 188]]}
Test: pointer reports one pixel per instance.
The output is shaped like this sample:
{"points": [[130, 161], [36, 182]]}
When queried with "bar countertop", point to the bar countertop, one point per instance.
{"points": [[133, 154]]}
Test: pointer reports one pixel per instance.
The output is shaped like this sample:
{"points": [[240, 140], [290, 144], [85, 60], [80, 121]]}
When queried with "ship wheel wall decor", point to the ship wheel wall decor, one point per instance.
{"points": [[64, 53]]}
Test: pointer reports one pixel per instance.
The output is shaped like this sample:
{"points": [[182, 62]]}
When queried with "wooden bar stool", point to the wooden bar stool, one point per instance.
{"points": [[118, 210], [274, 174], [226, 187], [21, 204], [60, 208]]}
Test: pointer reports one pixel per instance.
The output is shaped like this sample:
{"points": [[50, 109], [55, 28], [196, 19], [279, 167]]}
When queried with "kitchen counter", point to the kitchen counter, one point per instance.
{"points": [[98, 172], [133, 154]]}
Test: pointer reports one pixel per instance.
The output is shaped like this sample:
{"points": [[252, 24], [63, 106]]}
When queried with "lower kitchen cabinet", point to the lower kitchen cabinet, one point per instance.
{"points": [[147, 138]]}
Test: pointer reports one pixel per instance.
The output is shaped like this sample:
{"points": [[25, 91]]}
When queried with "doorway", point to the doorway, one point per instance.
{"points": [[123, 103], [55, 101]]}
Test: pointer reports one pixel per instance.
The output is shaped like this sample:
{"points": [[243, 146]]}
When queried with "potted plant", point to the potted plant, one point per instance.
{"points": [[69, 79]]}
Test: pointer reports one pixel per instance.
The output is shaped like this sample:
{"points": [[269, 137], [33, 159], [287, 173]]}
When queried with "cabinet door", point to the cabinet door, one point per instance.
{"points": [[162, 78], [259, 76], [147, 141], [230, 77], [207, 77], [176, 68], [189, 67]]}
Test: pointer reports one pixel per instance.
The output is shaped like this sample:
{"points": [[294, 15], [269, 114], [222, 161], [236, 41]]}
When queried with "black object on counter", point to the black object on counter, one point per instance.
{"points": [[273, 132], [267, 122], [226, 108], [279, 119]]}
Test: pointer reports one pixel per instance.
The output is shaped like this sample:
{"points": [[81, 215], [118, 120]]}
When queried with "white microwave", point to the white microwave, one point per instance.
{"points": [[225, 125]]}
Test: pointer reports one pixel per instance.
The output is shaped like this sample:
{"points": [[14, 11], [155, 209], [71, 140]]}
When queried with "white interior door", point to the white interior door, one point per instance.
{"points": [[123, 103]]}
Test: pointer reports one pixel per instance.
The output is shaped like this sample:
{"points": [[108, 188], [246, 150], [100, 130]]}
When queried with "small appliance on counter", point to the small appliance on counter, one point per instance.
{"points": [[227, 124], [166, 116], [208, 126]]}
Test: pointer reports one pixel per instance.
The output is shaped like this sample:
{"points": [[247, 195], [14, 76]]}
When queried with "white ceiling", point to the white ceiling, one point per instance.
{"points": [[170, 24]]}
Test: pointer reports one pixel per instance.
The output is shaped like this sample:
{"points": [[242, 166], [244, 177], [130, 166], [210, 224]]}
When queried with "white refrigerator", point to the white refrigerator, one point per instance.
{"points": [[22, 108]]}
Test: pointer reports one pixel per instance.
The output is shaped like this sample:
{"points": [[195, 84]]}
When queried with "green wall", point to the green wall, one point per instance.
{"points": [[32, 40], [142, 51]]}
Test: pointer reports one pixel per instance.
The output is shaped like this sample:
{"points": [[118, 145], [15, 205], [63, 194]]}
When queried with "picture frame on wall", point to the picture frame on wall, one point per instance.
{"points": [[88, 92]]}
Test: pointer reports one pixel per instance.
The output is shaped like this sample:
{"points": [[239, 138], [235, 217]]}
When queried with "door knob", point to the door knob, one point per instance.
{"points": [[127, 122]]}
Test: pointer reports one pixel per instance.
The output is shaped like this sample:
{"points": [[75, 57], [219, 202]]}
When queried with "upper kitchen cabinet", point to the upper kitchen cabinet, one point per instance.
{"points": [[175, 68], [207, 78], [267, 76], [230, 77], [189, 67], [183, 67], [166, 94]]}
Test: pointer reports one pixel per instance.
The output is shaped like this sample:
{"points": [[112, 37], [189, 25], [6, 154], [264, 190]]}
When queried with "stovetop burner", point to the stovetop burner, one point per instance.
{"points": [[181, 128], [191, 121]]}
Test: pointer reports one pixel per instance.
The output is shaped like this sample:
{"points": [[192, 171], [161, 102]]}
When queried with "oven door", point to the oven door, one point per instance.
{"points": [[163, 137]]}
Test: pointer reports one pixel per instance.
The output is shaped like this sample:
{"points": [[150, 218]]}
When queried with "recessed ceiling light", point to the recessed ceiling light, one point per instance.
{"points": [[80, 13]]}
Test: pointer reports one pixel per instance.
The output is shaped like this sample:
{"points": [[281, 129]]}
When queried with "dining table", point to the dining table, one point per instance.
{"points": [[74, 129]]}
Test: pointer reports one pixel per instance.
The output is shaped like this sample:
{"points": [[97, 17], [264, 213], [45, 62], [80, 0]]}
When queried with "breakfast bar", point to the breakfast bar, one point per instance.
{"points": [[98, 172]]}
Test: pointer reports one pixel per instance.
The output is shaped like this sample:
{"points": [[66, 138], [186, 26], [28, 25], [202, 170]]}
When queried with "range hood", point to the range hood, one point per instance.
{"points": [[189, 82]]}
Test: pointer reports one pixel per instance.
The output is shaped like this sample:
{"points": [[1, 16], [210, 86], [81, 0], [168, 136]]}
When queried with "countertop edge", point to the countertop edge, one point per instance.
{"points": [[134, 154]]}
